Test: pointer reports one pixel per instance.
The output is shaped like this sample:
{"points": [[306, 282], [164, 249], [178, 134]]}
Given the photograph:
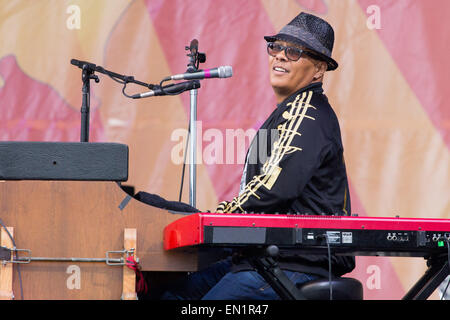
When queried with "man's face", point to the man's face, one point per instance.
{"points": [[287, 76]]}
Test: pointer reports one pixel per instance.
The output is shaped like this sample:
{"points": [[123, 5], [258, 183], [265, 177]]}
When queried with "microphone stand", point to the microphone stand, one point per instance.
{"points": [[195, 58], [88, 70], [193, 148], [86, 76]]}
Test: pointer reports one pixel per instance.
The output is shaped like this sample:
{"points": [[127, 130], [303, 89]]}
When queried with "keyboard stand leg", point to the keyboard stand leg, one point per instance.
{"points": [[268, 268], [437, 271]]}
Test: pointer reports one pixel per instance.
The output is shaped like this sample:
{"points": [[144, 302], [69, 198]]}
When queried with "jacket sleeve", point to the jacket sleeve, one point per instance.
{"points": [[295, 155]]}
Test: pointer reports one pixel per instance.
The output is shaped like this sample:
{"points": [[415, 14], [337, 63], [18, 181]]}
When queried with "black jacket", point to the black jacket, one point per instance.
{"points": [[295, 165]]}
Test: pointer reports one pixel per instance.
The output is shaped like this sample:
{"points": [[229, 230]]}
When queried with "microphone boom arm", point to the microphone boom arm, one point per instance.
{"points": [[94, 68]]}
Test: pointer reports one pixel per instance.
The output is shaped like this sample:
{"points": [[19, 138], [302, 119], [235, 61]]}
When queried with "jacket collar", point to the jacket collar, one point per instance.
{"points": [[282, 107], [315, 87]]}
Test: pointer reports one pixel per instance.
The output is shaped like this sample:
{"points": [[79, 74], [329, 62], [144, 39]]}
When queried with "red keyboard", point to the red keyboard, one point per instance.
{"points": [[346, 235]]}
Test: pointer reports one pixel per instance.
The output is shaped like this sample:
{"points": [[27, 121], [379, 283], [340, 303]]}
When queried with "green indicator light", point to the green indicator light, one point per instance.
{"points": [[440, 243]]}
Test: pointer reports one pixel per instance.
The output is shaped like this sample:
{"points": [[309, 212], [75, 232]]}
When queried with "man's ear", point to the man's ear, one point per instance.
{"points": [[321, 67]]}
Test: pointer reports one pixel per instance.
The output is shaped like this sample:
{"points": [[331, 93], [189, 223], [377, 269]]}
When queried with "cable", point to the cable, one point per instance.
{"points": [[325, 236], [121, 82], [329, 267], [184, 162], [165, 92], [448, 265], [128, 79], [445, 291], [16, 256], [123, 91]]}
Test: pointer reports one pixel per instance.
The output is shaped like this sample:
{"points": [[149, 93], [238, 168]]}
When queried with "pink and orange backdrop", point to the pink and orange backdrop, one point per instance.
{"points": [[390, 93]]}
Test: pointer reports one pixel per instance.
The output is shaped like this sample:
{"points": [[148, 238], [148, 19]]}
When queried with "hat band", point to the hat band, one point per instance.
{"points": [[306, 37]]}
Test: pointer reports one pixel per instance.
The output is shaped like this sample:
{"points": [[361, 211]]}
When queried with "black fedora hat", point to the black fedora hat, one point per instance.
{"points": [[311, 32]]}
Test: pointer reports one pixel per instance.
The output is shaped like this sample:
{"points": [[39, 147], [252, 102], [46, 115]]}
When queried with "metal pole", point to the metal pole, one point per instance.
{"points": [[86, 77], [193, 148]]}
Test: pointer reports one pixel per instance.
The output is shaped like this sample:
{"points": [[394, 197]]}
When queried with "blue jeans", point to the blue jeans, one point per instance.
{"points": [[218, 283]]}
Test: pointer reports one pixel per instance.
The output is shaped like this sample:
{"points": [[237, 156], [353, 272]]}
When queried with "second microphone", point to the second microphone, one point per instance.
{"points": [[220, 72], [171, 89]]}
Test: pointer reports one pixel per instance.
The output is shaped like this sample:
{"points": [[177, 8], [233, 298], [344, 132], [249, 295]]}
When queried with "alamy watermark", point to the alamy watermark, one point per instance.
{"points": [[73, 21], [74, 279], [227, 146], [374, 279], [374, 18]]}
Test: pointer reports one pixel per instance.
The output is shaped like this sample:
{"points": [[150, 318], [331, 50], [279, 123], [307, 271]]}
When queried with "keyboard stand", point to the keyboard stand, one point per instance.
{"points": [[268, 268], [437, 271]]}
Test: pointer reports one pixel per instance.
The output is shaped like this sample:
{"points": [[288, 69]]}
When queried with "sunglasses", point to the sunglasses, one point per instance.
{"points": [[292, 53]]}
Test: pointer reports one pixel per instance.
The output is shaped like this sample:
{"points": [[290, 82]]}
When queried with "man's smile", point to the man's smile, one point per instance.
{"points": [[279, 70]]}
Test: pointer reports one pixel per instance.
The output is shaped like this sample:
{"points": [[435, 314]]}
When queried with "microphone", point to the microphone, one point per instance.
{"points": [[170, 89], [193, 46], [220, 72], [80, 64]]}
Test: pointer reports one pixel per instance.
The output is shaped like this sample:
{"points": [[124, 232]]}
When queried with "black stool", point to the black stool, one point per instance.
{"points": [[343, 289]]}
